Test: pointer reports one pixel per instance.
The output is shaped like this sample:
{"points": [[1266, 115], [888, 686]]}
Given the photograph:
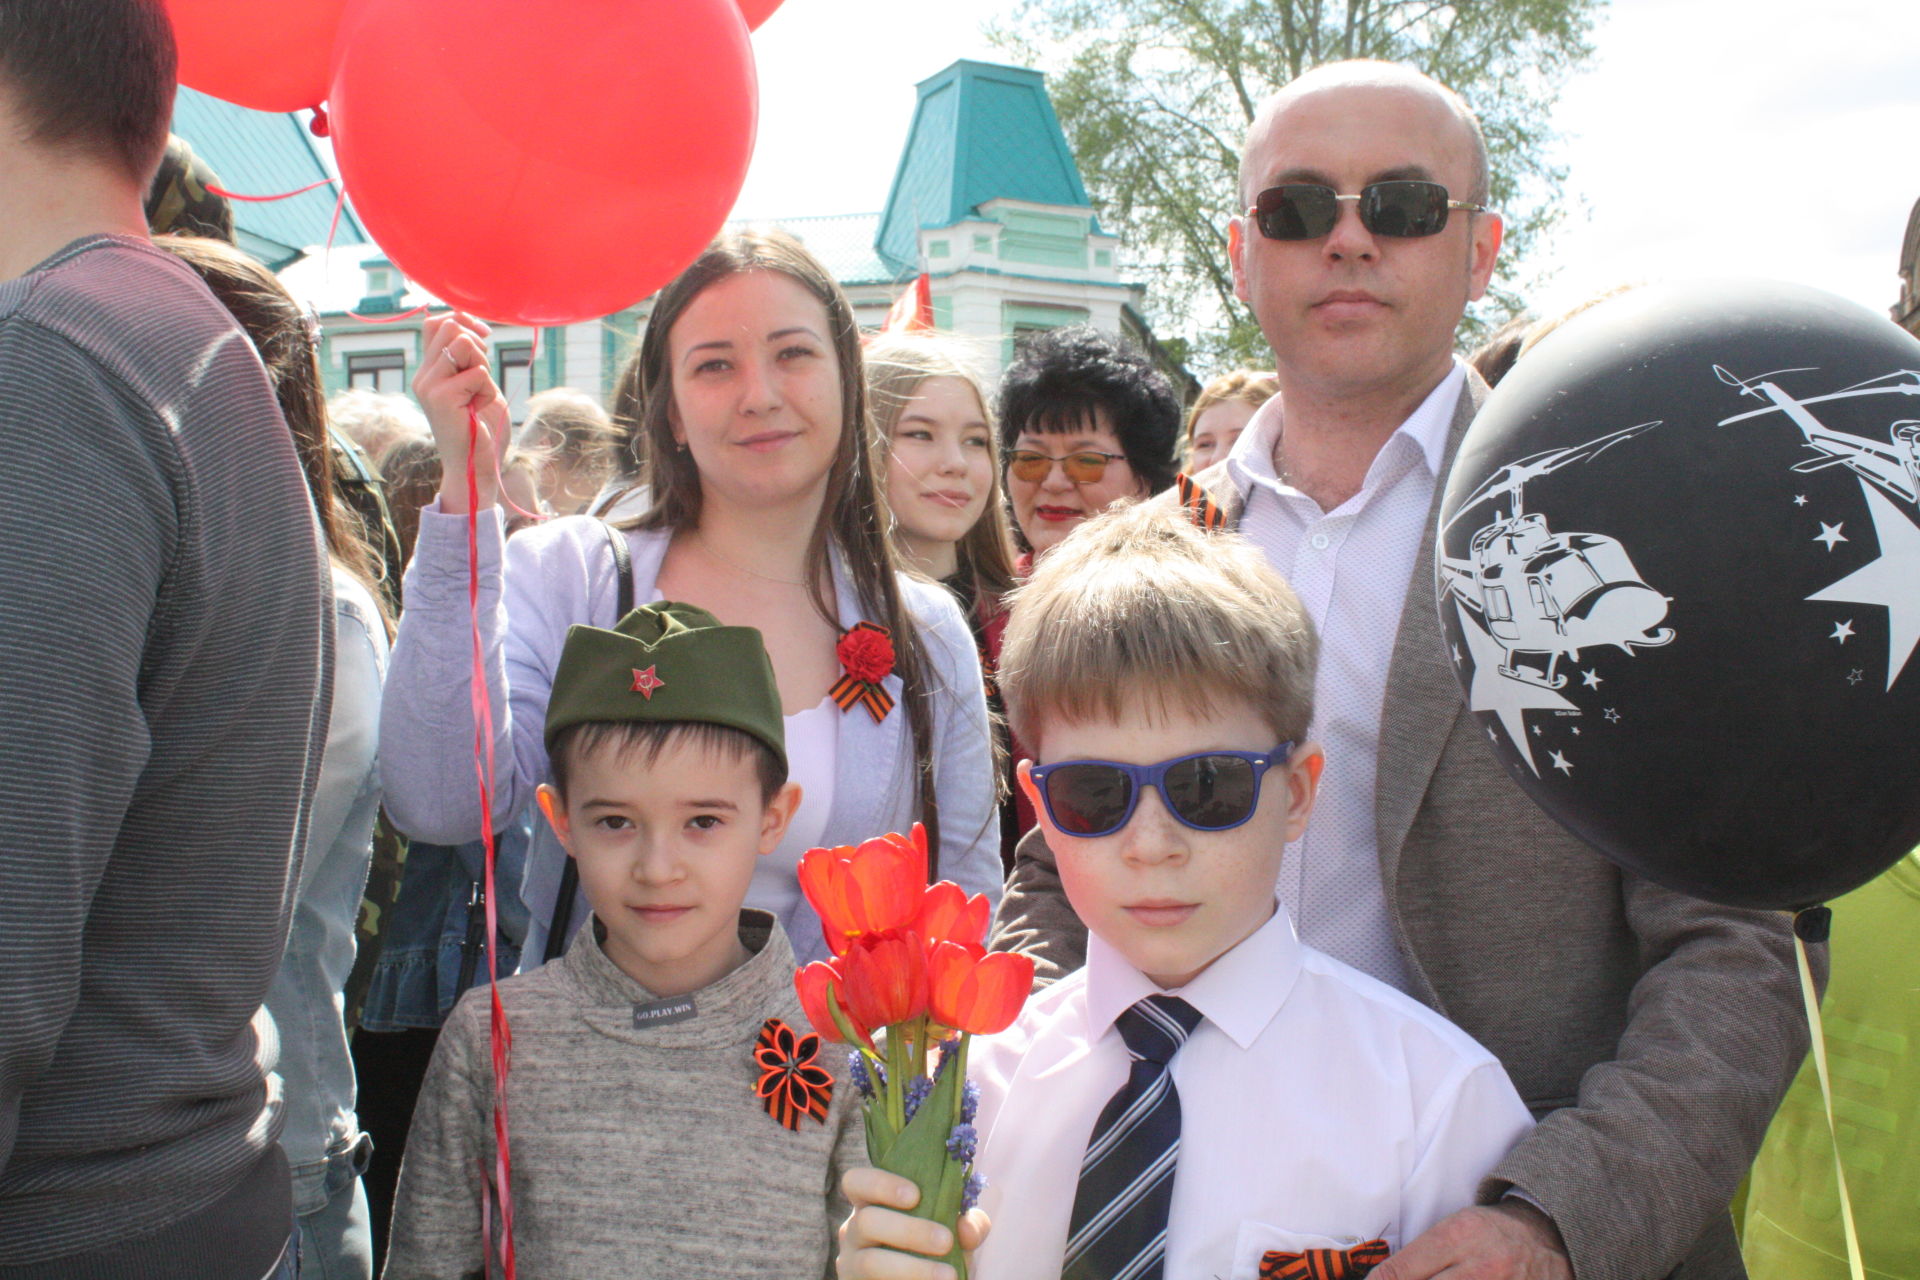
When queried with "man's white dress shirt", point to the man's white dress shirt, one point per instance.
{"points": [[1350, 567], [1319, 1108]]}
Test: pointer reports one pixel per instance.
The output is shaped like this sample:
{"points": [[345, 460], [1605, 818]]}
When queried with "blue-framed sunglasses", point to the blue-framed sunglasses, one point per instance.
{"points": [[1211, 791]]}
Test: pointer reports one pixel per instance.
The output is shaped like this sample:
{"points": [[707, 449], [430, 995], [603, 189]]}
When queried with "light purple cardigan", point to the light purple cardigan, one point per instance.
{"points": [[561, 573]]}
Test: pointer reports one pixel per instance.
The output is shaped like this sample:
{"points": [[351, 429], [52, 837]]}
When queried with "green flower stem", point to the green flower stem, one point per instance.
{"points": [[896, 1086]]}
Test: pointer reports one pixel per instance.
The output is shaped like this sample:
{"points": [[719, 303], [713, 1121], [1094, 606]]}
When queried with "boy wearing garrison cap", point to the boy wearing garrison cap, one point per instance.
{"points": [[661, 1061]]}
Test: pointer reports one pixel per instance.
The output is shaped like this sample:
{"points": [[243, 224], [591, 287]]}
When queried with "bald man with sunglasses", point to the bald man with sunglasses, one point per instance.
{"points": [[1650, 1034]]}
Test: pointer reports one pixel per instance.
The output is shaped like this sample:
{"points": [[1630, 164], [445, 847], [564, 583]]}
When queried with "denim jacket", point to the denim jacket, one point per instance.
{"points": [[433, 946], [305, 1000]]}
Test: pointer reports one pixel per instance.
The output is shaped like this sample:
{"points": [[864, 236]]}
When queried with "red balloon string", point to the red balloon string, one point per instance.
{"points": [[284, 195], [500, 1034], [422, 309], [333, 224]]}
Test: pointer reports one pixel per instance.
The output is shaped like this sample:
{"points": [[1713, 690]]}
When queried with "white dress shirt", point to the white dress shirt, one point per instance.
{"points": [[1319, 1108], [1350, 567]]}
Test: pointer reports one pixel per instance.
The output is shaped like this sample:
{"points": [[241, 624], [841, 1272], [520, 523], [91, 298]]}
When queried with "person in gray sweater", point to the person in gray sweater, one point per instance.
{"points": [[164, 684], [661, 1063]]}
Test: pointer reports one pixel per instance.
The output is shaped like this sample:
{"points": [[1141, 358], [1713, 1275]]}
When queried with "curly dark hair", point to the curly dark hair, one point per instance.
{"points": [[1059, 379]]}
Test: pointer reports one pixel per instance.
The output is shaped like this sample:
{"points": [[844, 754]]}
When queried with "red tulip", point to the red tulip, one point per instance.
{"points": [[810, 984], [886, 978], [868, 889], [947, 914], [971, 990]]}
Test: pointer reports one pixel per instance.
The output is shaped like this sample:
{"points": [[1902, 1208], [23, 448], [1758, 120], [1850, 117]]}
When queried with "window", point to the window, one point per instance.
{"points": [[982, 243], [378, 371], [936, 248], [516, 379]]}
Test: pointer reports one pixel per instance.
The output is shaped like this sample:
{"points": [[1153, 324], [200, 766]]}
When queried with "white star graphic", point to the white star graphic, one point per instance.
{"points": [[1591, 679], [1507, 698], [1561, 763], [1613, 716], [1891, 580], [1576, 731], [1456, 655], [1841, 630], [1536, 731], [1830, 534], [1799, 499], [1856, 675]]}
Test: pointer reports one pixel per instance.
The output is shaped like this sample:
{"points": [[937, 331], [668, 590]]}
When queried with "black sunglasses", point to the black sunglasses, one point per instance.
{"points": [[1404, 207], [1212, 791]]}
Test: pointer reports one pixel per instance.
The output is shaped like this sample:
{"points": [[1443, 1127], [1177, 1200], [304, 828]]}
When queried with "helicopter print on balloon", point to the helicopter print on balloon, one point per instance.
{"points": [[1529, 599], [1889, 477], [1893, 467], [1545, 596]]}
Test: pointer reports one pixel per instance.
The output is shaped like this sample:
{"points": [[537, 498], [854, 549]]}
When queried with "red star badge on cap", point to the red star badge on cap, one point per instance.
{"points": [[645, 682]]}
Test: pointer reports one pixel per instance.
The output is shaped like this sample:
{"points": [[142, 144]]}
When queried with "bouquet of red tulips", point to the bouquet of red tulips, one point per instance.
{"points": [[909, 959]]}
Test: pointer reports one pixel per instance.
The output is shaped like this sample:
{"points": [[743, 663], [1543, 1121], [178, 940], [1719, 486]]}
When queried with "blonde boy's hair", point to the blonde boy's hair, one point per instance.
{"points": [[1140, 607]]}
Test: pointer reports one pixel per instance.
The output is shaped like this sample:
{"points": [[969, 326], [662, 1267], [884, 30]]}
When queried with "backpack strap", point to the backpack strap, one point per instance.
{"points": [[560, 928], [622, 569]]}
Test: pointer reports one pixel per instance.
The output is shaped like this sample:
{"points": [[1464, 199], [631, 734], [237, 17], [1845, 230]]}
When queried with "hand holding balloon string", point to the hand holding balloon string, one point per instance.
{"points": [[466, 410]]}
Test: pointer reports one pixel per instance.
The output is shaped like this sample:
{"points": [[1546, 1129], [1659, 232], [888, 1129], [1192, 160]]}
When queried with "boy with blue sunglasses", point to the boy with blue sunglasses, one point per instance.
{"points": [[1207, 1097]]}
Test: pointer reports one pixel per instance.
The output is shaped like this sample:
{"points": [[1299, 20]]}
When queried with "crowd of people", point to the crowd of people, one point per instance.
{"points": [[1317, 985]]}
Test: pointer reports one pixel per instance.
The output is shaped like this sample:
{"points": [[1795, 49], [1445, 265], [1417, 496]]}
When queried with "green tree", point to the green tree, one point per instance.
{"points": [[1156, 95]]}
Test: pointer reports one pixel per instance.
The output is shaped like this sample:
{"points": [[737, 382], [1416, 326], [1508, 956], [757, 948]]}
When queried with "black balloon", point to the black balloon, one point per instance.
{"points": [[1679, 570]]}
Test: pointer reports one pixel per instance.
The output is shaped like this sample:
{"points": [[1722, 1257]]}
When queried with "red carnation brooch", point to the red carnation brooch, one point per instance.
{"points": [[792, 1083], [866, 655]]}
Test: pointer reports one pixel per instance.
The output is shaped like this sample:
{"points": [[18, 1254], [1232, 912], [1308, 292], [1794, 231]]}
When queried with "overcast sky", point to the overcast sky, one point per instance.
{"points": [[1750, 137]]}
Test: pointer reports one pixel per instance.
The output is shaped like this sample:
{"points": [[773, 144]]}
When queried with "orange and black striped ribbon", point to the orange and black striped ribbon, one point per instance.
{"points": [[793, 1085], [849, 692], [1199, 504], [1324, 1264]]}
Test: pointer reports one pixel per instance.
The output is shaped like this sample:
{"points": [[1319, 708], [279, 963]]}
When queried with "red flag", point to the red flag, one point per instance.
{"points": [[913, 309]]}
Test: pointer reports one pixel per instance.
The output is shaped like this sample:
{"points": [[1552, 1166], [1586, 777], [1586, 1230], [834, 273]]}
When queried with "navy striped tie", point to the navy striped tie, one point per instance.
{"points": [[1119, 1224]]}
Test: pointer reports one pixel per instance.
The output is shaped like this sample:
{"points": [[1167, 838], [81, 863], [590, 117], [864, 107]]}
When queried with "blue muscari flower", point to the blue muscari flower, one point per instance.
{"points": [[969, 1102], [857, 1071], [947, 1049], [970, 1194], [917, 1090], [961, 1143]]}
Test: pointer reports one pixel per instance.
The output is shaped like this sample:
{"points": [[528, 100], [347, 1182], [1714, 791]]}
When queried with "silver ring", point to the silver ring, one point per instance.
{"points": [[448, 353]]}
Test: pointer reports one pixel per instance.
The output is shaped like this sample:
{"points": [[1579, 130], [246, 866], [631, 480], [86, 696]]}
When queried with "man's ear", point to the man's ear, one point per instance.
{"points": [[778, 816], [1483, 251], [555, 807], [1303, 786]]}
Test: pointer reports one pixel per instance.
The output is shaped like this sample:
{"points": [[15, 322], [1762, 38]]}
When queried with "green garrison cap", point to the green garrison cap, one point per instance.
{"points": [[667, 663]]}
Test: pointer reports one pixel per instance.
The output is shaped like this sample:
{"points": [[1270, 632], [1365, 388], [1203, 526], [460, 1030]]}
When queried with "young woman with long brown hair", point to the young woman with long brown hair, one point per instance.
{"points": [[765, 511]]}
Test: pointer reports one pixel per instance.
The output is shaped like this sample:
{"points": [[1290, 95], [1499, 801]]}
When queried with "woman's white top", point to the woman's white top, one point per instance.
{"points": [[813, 751]]}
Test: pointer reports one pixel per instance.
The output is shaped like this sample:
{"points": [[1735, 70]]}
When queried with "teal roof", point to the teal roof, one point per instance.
{"points": [[842, 242], [262, 153], [980, 132]]}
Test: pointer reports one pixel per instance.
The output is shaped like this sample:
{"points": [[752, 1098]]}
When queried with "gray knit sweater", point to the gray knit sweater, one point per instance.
{"points": [[637, 1150], [165, 655]]}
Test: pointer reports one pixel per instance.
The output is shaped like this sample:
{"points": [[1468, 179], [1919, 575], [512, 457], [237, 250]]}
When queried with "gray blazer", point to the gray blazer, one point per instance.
{"points": [[1651, 1034]]}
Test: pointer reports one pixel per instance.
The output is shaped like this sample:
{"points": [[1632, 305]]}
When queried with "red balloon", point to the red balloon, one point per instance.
{"points": [[757, 11], [543, 161], [271, 57]]}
